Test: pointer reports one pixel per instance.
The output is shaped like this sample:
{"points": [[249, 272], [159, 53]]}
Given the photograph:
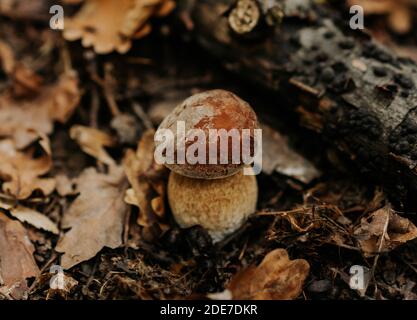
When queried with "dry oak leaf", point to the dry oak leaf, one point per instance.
{"points": [[146, 178], [399, 12], [109, 25], [28, 215], [16, 259], [22, 173], [24, 119], [92, 141], [383, 231], [276, 278], [96, 217]]}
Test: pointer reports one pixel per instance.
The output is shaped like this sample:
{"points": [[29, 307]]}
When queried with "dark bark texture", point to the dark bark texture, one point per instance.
{"points": [[354, 92]]}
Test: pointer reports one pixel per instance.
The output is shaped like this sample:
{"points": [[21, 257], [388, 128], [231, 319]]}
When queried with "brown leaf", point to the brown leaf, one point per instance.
{"points": [[276, 278], [24, 119], [64, 185], [92, 141], [31, 216], [22, 172], [374, 236], [147, 181], [278, 156], [109, 25], [16, 260], [96, 217], [401, 19], [373, 6]]}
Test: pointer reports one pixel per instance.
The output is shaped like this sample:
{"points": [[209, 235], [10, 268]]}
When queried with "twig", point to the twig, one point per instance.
{"points": [[65, 56], [95, 106], [137, 108], [381, 242], [108, 89], [105, 84]]}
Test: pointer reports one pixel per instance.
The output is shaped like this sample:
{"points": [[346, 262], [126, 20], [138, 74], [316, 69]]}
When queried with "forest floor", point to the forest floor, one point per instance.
{"points": [[68, 117]]}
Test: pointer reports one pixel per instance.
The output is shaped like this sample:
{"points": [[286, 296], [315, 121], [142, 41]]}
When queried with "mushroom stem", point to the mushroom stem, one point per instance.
{"points": [[221, 206]]}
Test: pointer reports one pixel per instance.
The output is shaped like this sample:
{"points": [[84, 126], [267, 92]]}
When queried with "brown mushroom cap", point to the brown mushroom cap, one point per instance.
{"points": [[214, 109], [221, 205]]}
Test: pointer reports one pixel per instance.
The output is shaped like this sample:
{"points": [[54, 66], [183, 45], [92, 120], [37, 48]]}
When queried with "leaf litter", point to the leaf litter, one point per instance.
{"points": [[16, 263], [108, 25], [22, 173], [95, 219], [276, 278], [107, 222]]}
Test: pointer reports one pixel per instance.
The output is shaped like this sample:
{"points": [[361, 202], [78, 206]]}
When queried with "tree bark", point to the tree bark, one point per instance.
{"points": [[354, 92]]}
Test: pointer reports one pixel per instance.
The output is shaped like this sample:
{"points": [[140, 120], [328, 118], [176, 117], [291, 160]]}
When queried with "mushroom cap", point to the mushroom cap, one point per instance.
{"points": [[214, 109], [221, 206]]}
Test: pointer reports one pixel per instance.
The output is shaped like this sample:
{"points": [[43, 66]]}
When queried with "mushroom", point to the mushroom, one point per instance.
{"points": [[221, 206], [218, 195]]}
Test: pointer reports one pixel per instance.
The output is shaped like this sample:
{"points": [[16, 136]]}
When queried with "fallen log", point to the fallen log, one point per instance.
{"points": [[354, 92]]}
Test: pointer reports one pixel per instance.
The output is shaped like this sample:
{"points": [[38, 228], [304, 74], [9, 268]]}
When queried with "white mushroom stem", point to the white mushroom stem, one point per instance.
{"points": [[221, 206]]}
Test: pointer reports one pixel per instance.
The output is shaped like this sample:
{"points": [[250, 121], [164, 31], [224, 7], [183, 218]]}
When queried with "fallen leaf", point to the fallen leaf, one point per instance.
{"points": [[34, 218], [22, 173], [92, 141], [23, 119], [109, 25], [278, 156], [16, 260], [276, 278], [31, 216], [96, 217], [374, 236], [130, 197], [64, 185], [147, 181]]}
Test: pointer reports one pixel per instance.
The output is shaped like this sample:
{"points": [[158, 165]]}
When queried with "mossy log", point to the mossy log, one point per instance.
{"points": [[354, 92]]}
